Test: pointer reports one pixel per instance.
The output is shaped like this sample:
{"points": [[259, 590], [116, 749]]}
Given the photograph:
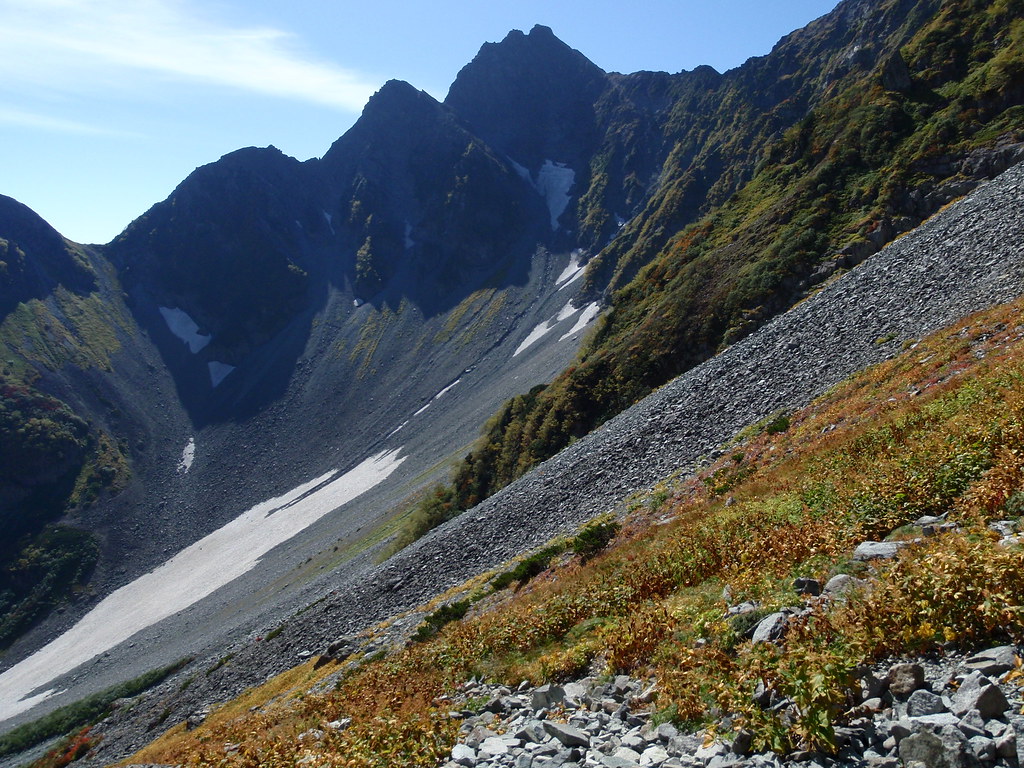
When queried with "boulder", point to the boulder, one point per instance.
{"points": [[842, 582], [547, 696], [464, 755], [980, 693], [654, 755], [567, 734], [878, 550], [770, 628], [922, 702], [805, 586], [904, 679], [944, 748], [994, 661]]}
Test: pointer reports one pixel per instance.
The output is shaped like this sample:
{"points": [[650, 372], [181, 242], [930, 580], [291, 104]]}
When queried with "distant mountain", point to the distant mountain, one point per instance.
{"points": [[274, 321]]}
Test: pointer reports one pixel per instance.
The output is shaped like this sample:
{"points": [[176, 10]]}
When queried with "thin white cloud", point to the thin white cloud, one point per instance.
{"points": [[78, 45], [26, 119]]}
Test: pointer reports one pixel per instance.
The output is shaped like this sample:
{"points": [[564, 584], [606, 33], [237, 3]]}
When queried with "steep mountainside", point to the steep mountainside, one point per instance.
{"points": [[936, 431], [850, 132], [276, 325]]}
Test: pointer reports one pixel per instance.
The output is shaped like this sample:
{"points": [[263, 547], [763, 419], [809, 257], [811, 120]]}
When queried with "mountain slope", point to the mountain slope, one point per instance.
{"points": [[964, 259], [875, 154], [275, 325]]}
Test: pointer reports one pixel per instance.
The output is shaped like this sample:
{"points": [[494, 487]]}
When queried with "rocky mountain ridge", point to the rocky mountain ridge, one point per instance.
{"points": [[273, 320]]}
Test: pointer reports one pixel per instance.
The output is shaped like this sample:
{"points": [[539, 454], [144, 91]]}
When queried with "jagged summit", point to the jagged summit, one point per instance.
{"points": [[509, 95]]}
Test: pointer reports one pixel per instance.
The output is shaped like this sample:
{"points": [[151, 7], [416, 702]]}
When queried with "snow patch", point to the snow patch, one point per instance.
{"points": [[188, 577], [540, 330], [589, 313], [554, 180], [538, 333], [185, 328], [566, 312], [435, 397], [218, 371], [188, 455], [573, 270], [409, 242], [522, 171], [330, 221], [397, 429]]}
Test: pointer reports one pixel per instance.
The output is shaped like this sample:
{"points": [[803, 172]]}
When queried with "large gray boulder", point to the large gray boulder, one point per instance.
{"points": [[980, 693], [944, 747]]}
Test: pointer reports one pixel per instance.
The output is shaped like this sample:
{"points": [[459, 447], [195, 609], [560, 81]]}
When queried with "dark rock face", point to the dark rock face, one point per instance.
{"points": [[35, 259], [511, 96]]}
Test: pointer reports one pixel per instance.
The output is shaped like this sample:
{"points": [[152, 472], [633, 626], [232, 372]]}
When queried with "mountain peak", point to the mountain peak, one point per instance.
{"points": [[524, 94]]}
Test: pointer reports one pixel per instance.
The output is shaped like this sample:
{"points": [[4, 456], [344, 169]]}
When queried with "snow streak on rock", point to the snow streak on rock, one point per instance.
{"points": [[188, 455], [185, 328], [554, 180], [589, 313], [218, 371]]}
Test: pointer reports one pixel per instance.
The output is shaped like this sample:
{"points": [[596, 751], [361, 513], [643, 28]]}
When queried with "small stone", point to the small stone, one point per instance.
{"points": [[567, 734], [941, 720], [982, 748], [972, 724], [626, 753], [666, 732], [878, 550], [575, 694], [743, 608], [1003, 527], [706, 753], [1006, 745], [622, 685], [770, 628], [742, 742], [922, 702], [612, 761], [634, 741], [654, 755], [904, 679]]}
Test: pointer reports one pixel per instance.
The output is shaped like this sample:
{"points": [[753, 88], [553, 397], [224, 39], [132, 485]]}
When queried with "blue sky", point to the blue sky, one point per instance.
{"points": [[106, 105]]}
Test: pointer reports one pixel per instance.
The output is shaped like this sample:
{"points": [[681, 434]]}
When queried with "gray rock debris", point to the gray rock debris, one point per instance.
{"points": [[602, 723]]}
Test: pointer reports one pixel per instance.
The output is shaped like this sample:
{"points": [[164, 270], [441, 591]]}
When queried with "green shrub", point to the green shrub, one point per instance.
{"points": [[593, 538], [532, 566], [443, 615]]}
